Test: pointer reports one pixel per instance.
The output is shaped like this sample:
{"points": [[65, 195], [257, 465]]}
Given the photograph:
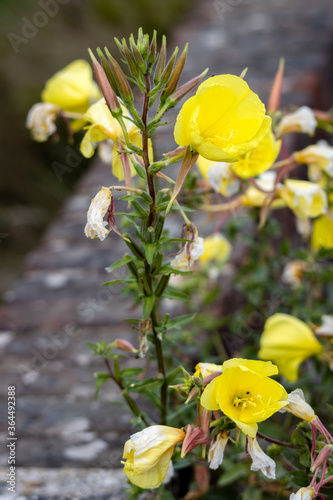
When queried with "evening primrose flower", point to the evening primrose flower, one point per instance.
{"points": [[254, 197], [322, 234], [260, 461], [220, 176], [258, 159], [287, 341], [190, 252], [215, 248], [304, 198], [73, 88], [148, 454], [318, 155], [98, 208], [245, 393], [223, 121], [103, 126], [302, 120]]}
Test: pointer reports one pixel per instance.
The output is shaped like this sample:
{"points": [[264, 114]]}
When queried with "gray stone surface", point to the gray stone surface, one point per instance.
{"points": [[59, 304]]}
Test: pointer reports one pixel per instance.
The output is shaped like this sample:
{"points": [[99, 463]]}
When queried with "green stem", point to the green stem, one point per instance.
{"points": [[161, 366], [131, 403]]}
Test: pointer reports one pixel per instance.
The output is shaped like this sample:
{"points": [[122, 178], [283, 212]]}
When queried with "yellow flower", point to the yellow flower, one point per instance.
{"points": [[148, 454], [322, 234], [304, 198], [253, 197], [223, 121], [206, 369], [217, 248], [103, 127], [245, 393], [287, 341], [73, 88], [318, 155], [260, 158], [97, 210], [220, 176], [302, 120]]}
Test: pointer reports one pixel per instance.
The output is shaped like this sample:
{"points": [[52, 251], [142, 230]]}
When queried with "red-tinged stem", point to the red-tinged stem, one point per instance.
{"points": [[276, 441], [145, 151]]}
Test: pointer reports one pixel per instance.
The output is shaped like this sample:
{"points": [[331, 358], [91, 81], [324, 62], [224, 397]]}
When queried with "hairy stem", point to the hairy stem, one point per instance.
{"points": [[150, 177]]}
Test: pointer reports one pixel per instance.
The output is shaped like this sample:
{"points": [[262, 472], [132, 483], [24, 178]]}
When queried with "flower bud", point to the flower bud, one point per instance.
{"points": [[323, 455], [152, 49], [161, 62], [174, 98], [109, 95], [130, 60], [120, 78], [175, 76], [108, 71], [168, 68], [124, 345]]}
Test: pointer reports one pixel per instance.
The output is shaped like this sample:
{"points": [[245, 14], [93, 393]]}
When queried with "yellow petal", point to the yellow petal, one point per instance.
{"points": [[322, 235], [261, 367]]}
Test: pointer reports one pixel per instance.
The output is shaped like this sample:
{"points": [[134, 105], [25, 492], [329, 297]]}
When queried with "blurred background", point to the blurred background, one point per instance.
{"points": [[30, 194]]}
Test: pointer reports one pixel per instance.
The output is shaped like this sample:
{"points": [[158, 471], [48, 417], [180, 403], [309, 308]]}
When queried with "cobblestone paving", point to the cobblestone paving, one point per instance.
{"points": [[58, 304]]}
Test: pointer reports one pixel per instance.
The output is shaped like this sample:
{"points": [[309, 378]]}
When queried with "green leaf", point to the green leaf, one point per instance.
{"points": [[122, 262], [140, 170], [297, 438], [148, 304], [102, 377], [114, 282], [130, 372], [180, 321], [239, 471], [172, 293], [133, 320], [150, 252], [149, 384]]}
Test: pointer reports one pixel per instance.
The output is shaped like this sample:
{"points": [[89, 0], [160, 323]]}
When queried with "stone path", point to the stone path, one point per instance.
{"points": [[67, 442]]}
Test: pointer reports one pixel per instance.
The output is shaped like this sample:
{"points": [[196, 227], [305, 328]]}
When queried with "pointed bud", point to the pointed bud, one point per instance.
{"points": [[152, 50], [193, 392], [161, 62], [168, 68], [121, 81], [140, 38], [175, 76], [138, 58], [184, 89], [323, 455], [124, 345], [108, 72], [145, 46], [110, 97], [130, 60], [275, 96], [120, 46]]}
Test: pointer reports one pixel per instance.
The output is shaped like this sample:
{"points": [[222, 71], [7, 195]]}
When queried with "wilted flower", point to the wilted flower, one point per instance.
{"points": [[319, 155], [206, 369], [41, 120], [216, 449], [104, 126], [99, 206], [245, 393], [258, 159], [73, 88], [322, 234], [216, 248], [260, 461], [326, 327], [304, 494], [190, 252], [223, 121], [298, 406], [305, 199], [220, 176], [302, 120], [148, 454], [293, 273], [287, 341]]}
